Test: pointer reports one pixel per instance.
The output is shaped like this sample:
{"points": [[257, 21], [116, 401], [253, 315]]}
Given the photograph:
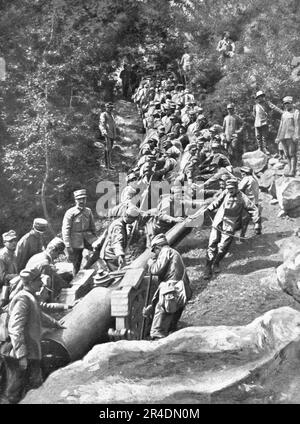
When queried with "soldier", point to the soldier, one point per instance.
{"points": [[108, 129], [8, 263], [250, 186], [78, 229], [261, 114], [230, 204], [232, 124], [174, 289], [289, 134], [31, 243], [25, 330], [44, 262], [114, 247]]}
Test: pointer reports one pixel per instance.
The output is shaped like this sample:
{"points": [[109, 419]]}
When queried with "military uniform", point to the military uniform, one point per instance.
{"points": [[115, 243], [226, 221], [173, 292], [8, 266], [78, 232]]}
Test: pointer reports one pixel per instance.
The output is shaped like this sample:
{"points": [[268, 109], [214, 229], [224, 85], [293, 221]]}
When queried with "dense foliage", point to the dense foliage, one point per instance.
{"points": [[62, 57]]}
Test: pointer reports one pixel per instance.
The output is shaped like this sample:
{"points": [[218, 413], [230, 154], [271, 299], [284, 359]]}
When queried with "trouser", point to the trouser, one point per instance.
{"points": [[290, 150], [15, 382], [109, 142], [261, 134], [219, 243], [162, 322]]}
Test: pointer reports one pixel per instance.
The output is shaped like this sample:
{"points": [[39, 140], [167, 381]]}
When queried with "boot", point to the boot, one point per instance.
{"points": [[216, 264], [208, 270], [293, 168], [289, 163]]}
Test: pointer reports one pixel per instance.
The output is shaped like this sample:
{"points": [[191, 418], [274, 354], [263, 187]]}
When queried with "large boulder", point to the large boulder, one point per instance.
{"points": [[288, 195], [191, 364], [288, 273], [257, 160]]}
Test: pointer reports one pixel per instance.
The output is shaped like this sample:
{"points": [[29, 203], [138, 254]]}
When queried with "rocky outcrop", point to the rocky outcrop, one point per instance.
{"points": [[288, 273], [288, 195], [257, 160], [193, 361]]}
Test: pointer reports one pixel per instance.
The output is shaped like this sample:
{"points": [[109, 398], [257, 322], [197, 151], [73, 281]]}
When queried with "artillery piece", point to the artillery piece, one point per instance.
{"points": [[104, 313]]}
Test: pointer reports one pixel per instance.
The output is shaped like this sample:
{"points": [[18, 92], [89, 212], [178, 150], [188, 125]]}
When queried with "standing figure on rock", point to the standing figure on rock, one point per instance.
{"points": [[289, 134], [174, 289], [78, 229], [249, 185], [108, 129], [125, 76], [261, 111], [230, 205]]}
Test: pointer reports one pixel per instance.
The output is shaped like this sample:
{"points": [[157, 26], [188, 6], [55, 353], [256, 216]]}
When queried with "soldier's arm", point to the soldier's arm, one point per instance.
{"points": [[217, 202], [18, 319], [276, 108], [92, 223], [252, 209], [118, 241], [20, 255], [53, 307], [66, 228], [297, 125]]}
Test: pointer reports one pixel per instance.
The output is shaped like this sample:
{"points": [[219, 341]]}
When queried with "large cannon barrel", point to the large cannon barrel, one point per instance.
{"points": [[86, 325]]}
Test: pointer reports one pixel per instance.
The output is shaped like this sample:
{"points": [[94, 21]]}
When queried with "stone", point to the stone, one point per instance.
{"points": [[257, 160], [288, 194], [191, 364], [288, 273]]}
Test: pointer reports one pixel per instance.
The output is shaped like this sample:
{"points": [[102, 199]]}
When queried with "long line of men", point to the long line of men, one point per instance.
{"points": [[181, 148]]}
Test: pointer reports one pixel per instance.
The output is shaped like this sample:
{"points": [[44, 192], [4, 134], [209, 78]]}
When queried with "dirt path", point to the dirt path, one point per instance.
{"points": [[236, 296]]}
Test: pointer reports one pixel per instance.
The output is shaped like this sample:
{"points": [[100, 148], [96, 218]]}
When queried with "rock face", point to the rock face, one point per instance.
{"points": [[288, 194], [257, 160], [288, 273], [187, 366]]}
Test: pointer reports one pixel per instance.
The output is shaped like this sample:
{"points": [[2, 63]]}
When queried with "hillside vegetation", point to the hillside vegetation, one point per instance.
{"points": [[61, 59]]}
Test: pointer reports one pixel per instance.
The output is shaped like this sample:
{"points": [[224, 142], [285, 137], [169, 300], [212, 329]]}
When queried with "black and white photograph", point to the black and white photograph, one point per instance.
{"points": [[149, 205]]}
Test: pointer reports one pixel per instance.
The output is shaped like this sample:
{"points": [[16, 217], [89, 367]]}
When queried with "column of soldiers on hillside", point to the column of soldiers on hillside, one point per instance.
{"points": [[181, 148]]}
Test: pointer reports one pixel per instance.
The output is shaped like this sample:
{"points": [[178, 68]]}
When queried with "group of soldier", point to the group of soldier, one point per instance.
{"points": [[194, 159]]}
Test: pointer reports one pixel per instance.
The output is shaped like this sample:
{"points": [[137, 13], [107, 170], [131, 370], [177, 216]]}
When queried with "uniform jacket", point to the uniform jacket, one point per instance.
{"points": [[289, 127], [261, 114], [231, 124], [230, 209], [169, 266], [78, 227], [116, 240], [25, 325], [8, 266], [41, 261], [30, 244], [107, 125]]}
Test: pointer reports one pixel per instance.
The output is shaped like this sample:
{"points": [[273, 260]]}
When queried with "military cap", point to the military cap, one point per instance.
{"points": [[78, 194], [56, 244], [231, 182], [246, 169], [259, 93], [109, 104], [30, 274], [9, 236], [157, 102], [230, 106], [132, 211], [40, 225], [200, 117], [159, 240], [192, 112], [172, 117], [287, 99], [179, 86]]}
